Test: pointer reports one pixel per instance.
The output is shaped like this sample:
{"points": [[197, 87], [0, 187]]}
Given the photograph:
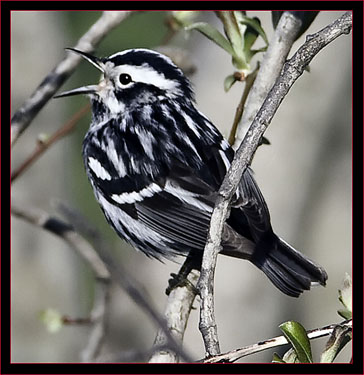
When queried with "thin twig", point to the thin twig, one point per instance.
{"points": [[82, 247], [240, 109], [270, 68], [236, 354], [67, 233], [292, 70], [98, 316], [30, 108], [129, 355], [43, 146], [121, 277]]}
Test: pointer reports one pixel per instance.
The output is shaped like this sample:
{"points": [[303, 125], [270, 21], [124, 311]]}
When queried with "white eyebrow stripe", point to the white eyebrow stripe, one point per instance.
{"points": [[147, 75]]}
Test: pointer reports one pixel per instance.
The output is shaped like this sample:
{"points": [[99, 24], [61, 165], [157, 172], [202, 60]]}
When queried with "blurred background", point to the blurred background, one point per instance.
{"points": [[305, 176]]}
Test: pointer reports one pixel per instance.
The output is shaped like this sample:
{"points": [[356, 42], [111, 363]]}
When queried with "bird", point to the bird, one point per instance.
{"points": [[156, 163]]}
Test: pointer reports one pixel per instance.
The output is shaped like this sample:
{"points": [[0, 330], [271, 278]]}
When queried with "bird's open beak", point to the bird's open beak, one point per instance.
{"points": [[91, 89], [81, 90]]}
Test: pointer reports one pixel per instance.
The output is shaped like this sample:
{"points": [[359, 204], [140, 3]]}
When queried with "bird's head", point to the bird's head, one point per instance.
{"points": [[133, 78]]}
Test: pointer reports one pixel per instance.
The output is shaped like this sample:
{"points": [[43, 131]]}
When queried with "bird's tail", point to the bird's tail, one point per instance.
{"points": [[290, 271]]}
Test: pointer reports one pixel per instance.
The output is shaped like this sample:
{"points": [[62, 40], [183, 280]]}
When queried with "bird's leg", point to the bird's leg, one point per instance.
{"points": [[193, 261]]}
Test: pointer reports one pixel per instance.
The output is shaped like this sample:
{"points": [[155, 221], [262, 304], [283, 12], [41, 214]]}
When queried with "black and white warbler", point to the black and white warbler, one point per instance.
{"points": [[155, 164]]}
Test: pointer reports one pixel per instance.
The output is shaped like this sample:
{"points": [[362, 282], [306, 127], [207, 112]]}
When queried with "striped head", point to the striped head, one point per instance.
{"points": [[131, 79]]}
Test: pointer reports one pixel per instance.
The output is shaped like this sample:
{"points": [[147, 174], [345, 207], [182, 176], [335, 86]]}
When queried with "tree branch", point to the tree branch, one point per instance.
{"points": [[270, 68], [292, 70], [249, 81], [102, 275], [101, 264], [98, 316], [30, 108], [177, 311], [236, 354], [67, 233], [41, 147], [121, 277]]}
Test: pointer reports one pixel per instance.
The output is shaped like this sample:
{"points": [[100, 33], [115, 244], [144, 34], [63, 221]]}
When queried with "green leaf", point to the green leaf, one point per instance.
{"points": [[228, 82], [250, 36], [52, 319], [340, 336], [297, 336], [263, 49], [277, 359], [254, 23], [238, 16], [213, 34], [345, 297], [252, 52], [344, 313], [232, 31]]}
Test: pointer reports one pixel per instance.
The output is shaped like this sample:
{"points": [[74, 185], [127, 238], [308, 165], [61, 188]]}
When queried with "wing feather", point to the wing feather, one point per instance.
{"points": [[174, 219], [252, 204]]}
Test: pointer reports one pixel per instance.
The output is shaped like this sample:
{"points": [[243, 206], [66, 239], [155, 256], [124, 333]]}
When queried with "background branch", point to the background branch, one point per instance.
{"points": [[30, 108], [85, 250], [42, 146], [292, 70], [249, 81], [270, 68], [65, 231], [104, 267]]}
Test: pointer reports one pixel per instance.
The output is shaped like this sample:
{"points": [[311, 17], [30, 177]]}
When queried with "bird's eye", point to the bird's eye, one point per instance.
{"points": [[125, 78]]}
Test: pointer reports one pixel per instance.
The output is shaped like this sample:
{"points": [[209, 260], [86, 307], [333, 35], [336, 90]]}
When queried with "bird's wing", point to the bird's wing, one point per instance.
{"points": [[249, 214], [250, 202], [175, 205], [181, 211]]}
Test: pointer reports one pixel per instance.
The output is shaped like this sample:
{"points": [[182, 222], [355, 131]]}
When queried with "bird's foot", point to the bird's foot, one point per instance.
{"points": [[179, 281]]}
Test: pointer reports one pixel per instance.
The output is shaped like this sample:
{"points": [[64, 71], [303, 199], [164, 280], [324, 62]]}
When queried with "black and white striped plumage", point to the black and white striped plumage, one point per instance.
{"points": [[156, 163]]}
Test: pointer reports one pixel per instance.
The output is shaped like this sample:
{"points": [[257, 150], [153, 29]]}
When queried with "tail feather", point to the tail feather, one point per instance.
{"points": [[283, 281], [290, 271]]}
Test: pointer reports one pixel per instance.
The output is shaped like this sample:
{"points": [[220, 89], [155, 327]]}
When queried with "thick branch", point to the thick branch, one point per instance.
{"points": [[292, 70], [177, 311], [30, 108], [270, 68]]}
